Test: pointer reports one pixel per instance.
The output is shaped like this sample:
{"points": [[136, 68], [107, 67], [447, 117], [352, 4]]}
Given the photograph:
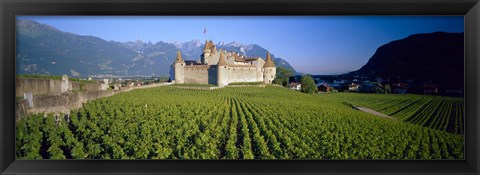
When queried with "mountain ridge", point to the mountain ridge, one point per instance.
{"points": [[436, 57], [43, 49]]}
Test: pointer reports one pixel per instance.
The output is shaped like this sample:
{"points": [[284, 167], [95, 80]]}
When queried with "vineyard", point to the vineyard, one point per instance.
{"points": [[437, 112], [245, 123]]}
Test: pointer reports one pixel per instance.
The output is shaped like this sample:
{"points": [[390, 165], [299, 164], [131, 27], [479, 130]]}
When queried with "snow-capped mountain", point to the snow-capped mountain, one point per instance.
{"points": [[189, 45]]}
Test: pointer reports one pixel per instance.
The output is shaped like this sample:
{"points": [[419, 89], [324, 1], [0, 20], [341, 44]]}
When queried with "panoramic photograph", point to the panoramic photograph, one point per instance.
{"points": [[240, 87]]}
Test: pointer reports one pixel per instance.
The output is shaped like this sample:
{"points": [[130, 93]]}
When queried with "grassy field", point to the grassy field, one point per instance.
{"points": [[247, 123]]}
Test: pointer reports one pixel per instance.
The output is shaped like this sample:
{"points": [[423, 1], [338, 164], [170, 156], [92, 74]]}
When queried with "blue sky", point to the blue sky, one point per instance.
{"points": [[311, 44]]}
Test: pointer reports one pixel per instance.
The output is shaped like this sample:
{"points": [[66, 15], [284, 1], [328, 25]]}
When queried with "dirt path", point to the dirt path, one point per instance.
{"points": [[371, 111]]}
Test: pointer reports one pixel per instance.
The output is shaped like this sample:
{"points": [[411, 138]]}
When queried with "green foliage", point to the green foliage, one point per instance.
{"points": [[308, 85], [282, 76], [379, 90], [388, 90], [241, 123]]}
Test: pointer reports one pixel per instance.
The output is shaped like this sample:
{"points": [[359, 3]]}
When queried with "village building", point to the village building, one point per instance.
{"points": [[353, 87], [324, 88], [222, 68], [295, 86]]}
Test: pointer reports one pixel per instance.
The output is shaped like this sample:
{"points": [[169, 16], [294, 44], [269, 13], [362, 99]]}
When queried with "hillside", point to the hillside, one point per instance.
{"points": [[437, 57], [42, 49]]}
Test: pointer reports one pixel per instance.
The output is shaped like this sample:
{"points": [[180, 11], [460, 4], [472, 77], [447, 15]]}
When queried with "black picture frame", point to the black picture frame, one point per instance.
{"points": [[9, 9]]}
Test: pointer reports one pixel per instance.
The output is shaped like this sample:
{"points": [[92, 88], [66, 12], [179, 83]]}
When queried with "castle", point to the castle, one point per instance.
{"points": [[222, 68]]}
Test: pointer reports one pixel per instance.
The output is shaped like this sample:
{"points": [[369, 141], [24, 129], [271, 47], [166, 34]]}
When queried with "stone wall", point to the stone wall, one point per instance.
{"points": [[244, 74], [85, 86], [39, 86], [196, 75], [69, 100], [62, 103], [199, 74], [21, 107], [58, 103]]}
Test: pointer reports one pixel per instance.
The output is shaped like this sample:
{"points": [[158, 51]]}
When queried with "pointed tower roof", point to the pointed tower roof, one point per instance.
{"points": [[209, 45], [179, 58], [206, 45], [269, 61], [221, 60]]}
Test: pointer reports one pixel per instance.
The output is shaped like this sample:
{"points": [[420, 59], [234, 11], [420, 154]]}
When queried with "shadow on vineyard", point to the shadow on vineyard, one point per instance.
{"points": [[247, 123]]}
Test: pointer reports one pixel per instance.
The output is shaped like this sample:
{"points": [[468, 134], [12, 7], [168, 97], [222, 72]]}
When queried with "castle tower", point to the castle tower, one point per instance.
{"points": [[213, 47], [222, 74], [269, 70], [179, 66], [206, 49]]}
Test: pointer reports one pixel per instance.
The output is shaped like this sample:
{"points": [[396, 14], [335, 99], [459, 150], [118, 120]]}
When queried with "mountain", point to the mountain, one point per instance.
{"points": [[42, 49], [436, 57]]}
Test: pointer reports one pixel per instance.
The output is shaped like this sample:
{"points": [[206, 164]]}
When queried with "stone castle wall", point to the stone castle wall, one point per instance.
{"points": [[208, 75], [244, 74], [196, 75]]}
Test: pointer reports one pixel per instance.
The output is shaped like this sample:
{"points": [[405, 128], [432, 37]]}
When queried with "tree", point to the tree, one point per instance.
{"points": [[379, 90], [308, 85], [388, 89], [282, 76]]}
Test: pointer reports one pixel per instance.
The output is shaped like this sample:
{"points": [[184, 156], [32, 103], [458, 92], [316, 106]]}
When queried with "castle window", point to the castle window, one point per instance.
{"points": [[272, 76]]}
